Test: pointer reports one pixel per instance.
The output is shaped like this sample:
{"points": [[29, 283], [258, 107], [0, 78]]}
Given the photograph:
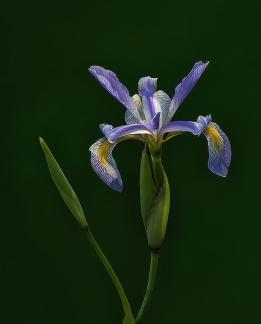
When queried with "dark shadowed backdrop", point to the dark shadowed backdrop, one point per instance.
{"points": [[210, 264]]}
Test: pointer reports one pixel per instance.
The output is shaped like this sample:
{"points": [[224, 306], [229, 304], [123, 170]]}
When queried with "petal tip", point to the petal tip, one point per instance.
{"points": [[92, 68], [95, 70], [222, 173], [116, 185], [201, 63]]}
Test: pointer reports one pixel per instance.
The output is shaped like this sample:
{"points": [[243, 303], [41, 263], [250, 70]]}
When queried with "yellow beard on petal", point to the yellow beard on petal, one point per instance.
{"points": [[104, 149], [213, 133], [103, 153]]}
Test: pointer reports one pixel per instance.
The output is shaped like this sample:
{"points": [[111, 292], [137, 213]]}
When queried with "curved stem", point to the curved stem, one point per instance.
{"points": [[150, 286], [112, 274]]}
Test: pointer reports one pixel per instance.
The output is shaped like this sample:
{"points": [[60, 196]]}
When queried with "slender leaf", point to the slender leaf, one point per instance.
{"points": [[62, 184]]}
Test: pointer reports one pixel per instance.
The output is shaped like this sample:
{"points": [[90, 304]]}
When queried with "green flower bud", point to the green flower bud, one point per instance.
{"points": [[154, 196], [62, 184]]}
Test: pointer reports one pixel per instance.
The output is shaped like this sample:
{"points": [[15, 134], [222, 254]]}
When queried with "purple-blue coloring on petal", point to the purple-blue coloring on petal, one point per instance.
{"points": [[112, 84], [104, 164], [163, 101], [204, 121], [181, 126], [116, 185], [156, 121], [105, 129], [129, 117], [126, 130], [147, 87], [219, 150], [185, 86]]}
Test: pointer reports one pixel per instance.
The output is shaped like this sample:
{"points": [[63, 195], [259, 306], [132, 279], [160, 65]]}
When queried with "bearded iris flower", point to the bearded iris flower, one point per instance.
{"points": [[148, 118]]}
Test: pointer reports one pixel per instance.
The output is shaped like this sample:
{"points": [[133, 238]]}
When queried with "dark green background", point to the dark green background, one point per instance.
{"points": [[210, 264]]}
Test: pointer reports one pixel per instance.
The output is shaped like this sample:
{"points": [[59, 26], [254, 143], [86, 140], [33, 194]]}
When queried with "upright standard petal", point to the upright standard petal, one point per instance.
{"points": [[219, 150], [155, 123], [112, 84], [163, 100], [147, 87], [104, 164], [122, 131], [185, 86], [129, 117]]}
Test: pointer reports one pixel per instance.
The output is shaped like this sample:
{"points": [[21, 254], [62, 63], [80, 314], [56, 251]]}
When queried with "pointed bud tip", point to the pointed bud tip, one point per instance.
{"points": [[41, 141]]}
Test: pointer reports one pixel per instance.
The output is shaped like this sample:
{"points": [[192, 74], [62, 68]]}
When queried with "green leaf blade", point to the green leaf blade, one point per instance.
{"points": [[69, 196]]}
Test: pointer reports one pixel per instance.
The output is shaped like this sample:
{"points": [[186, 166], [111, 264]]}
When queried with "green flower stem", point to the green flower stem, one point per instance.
{"points": [[113, 276], [150, 286], [156, 164]]}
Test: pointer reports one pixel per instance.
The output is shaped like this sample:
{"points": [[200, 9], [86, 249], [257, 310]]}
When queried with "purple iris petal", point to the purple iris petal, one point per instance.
{"points": [[112, 84], [219, 150], [204, 121], [218, 144], [156, 121], [164, 102], [126, 130], [147, 87], [104, 165], [106, 129], [129, 117], [182, 126], [186, 85]]}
